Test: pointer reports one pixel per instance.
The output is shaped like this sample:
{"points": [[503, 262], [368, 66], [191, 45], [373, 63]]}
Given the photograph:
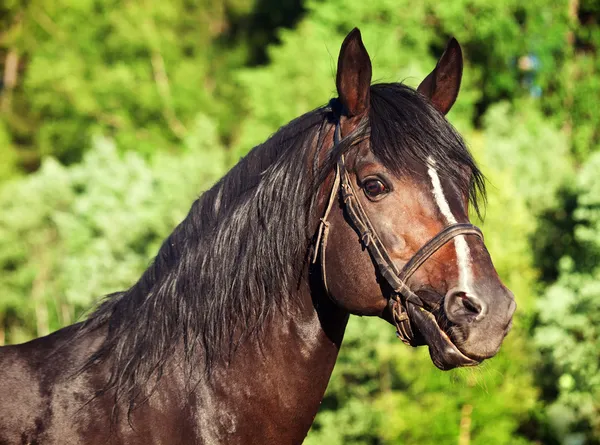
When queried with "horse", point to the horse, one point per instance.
{"points": [[230, 336]]}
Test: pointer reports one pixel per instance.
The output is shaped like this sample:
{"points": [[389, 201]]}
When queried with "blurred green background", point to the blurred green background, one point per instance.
{"points": [[114, 115]]}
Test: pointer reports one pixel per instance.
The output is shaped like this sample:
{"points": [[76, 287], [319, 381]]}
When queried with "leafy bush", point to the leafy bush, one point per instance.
{"points": [[69, 235], [569, 332], [137, 72]]}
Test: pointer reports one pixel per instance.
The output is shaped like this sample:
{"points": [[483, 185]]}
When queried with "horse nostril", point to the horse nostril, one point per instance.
{"points": [[463, 308], [472, 305]]}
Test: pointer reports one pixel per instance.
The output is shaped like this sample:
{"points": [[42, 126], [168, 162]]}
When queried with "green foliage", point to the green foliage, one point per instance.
{"points": [[570, 337], [69, 235], [569, 334], [138, 72], [384, 392], [8, 158], [125, 106], [583, 82], [532, 150]]}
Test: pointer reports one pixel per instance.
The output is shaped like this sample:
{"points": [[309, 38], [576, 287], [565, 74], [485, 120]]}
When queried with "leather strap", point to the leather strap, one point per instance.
{"points": [[323, 231]]}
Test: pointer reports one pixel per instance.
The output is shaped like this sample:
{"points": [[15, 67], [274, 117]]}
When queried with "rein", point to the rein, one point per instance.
{"points": [[397, 279]]}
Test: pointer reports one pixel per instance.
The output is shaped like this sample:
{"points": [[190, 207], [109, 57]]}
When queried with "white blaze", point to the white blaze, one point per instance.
{"points": [[463, 254]]}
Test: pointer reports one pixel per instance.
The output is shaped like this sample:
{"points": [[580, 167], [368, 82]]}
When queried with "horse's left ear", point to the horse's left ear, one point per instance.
{"points": [[442, 84], [354, 74]]}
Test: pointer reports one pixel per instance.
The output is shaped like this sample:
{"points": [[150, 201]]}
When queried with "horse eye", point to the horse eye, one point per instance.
{"points": [[374, 188]]}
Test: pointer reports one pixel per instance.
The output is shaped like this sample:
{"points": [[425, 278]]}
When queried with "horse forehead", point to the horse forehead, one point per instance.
{"points": [[430, 198], [418, 191], [447, 190]]}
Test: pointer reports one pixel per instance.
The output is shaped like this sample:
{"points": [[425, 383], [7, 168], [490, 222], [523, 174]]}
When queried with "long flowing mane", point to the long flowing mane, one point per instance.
{"points": [[238, 256]]}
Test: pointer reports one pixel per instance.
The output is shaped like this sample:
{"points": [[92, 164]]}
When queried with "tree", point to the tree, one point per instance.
{"points": [[569, 331], [69, 235], [138, 72]]}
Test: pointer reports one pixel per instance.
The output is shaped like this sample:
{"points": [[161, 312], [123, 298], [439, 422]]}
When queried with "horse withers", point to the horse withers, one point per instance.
{"points": [[231, 335]]}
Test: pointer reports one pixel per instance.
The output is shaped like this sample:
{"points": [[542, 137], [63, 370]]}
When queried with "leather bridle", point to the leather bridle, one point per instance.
{"points": [[397, 279]]}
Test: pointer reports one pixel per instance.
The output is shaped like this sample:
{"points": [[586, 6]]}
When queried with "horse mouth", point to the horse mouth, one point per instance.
{"points": [[444, 353]]}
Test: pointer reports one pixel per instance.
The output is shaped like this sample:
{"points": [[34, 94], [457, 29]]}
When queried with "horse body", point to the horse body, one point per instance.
{"points": [[38, 392], [45, 399], [231, 335]]}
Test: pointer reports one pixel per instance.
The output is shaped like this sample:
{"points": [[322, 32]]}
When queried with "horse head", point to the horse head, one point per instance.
{"points": [[395, 239]]}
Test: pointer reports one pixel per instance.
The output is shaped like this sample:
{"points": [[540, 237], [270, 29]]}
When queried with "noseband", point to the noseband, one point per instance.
{"points": [[402, 294]]}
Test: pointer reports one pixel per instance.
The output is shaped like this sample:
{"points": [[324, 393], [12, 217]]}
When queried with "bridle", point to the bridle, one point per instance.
{"points": [[397, 279]]}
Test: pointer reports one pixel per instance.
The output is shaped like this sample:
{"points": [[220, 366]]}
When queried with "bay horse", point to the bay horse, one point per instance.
{"points": [[231, 335]]}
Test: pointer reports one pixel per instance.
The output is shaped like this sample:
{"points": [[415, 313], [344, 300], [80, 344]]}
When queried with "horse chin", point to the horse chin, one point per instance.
{"points": [[444, 353]]}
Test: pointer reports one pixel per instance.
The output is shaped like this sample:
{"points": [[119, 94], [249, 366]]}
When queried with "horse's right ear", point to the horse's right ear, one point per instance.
{"points": [[354, 74], [442, 84]]}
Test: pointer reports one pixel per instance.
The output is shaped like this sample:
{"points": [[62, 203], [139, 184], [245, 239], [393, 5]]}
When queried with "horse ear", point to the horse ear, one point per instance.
{"points": [[354, 74], [442, 84]]}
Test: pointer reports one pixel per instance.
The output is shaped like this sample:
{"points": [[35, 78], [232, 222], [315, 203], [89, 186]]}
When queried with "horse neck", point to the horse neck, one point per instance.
{"points": [[270, 393]]}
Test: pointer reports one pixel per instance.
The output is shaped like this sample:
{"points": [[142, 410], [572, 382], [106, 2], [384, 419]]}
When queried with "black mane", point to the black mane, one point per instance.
{"points": [[237, 257]]}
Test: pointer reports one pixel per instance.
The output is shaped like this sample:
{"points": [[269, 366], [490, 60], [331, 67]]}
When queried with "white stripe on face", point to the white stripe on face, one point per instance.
{"points": [[463, 254]]}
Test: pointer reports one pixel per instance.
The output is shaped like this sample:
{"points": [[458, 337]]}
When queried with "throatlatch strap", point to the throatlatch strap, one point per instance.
{"points": [[323, 230]]}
